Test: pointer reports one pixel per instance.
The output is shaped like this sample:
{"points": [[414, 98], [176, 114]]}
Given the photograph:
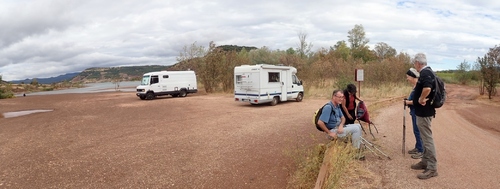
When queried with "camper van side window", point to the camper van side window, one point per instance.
{"points": [[154, 79], [274, 76], [238, 79], [295, 79], [165, 76]]}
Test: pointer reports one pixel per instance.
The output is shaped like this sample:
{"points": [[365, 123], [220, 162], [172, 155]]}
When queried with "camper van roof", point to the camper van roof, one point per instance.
{"points": [[168, 72]]}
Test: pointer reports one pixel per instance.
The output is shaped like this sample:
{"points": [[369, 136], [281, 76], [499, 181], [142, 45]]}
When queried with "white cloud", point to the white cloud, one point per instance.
{"points": [[47, 38]]}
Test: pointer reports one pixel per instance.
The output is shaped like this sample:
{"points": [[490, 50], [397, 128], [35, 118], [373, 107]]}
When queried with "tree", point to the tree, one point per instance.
{"points": [[463, 75], [341, 50], [304, 49], [363, 53], [358, 41], [192, 55], [264, 55], [210, 70], [383, 50], [490, 73], [34, 81], [357, 37]]}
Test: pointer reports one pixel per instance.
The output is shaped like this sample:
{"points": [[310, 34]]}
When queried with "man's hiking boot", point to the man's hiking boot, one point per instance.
{"points": [[418, 155], [419, 166], [427, 174], [413, 151]]}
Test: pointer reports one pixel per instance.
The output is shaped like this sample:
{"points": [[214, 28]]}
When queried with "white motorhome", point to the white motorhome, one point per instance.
{"points": [[175, 83], [264, 83]]}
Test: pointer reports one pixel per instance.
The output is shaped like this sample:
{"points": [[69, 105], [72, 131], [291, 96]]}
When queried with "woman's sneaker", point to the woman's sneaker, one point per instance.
{"points": [[418, 155], [414, 151]]}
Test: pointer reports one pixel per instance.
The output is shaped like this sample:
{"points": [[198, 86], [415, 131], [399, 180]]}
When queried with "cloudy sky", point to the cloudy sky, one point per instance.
{"points": [[46, 38]]}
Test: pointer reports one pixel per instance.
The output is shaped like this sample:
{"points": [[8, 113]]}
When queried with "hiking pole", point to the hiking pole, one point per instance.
{"points": [[404, 128], [364, 141]]}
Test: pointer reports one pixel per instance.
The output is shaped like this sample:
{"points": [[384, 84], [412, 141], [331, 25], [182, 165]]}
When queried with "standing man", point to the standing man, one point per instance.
{"points": [[425, 112]]}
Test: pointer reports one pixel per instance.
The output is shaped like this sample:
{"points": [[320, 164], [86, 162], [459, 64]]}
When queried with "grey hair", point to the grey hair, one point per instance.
{"points": [[336, 91], [421, 59]]}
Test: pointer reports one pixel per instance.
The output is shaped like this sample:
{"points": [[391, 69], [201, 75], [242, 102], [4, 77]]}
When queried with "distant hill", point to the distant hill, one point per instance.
{"points": [[50, 80], [124, 73], [109, 74]]}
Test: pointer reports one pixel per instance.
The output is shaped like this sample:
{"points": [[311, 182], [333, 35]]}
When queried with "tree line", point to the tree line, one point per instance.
{"points": [[382, 64], [214, 65]]}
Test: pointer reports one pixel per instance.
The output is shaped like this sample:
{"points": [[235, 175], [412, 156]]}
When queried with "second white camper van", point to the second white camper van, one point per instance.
{"points": [[264, 83], [175, 83]]}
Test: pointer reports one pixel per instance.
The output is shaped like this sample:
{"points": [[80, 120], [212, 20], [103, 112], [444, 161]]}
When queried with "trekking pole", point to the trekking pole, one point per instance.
{"points": [[404, 128], [364, 141]]}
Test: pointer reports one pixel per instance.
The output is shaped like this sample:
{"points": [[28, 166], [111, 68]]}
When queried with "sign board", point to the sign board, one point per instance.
{"points": [[358, 75]]}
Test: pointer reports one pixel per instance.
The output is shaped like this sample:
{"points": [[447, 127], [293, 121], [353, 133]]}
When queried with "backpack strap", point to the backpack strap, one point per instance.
{"points": [[332, 113]]}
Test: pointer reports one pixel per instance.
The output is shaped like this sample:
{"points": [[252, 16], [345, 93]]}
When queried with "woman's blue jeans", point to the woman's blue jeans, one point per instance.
{"points": [[418, 145]]}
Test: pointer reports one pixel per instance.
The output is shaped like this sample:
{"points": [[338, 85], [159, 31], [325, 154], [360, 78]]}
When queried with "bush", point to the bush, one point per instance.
{"points": [[6, 94]]}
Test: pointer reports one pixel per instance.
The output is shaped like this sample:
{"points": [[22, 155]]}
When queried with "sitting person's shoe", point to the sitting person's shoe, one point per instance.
{"points": [[427, 174], [413, 151], [418, 155], [419, 166]]}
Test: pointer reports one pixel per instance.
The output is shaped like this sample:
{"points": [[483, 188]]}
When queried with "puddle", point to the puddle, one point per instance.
{"points": [[23, 113]]}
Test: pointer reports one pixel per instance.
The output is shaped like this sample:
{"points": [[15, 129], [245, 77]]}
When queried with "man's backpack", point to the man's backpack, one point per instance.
{"points": [[439, 92], [316, 116]]}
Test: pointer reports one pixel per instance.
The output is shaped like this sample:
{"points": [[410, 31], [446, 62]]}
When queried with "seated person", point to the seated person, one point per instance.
{"points": [[331, 122]]}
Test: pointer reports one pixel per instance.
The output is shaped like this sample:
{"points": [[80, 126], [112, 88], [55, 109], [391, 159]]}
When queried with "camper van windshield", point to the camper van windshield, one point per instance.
{"points": [[145, 80]]}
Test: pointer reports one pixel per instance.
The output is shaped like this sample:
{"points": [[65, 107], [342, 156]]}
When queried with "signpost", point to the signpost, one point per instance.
{"points": [[358, 76]]}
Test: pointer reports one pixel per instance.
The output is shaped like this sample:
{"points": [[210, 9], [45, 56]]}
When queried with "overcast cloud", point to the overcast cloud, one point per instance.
{"points": [[47, 38]]}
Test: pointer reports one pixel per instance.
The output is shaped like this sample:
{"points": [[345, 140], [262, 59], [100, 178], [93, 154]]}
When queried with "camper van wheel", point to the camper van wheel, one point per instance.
{"points": [[183, 93], [150, 96], [142, 97], [300, 96], [275, 101]]}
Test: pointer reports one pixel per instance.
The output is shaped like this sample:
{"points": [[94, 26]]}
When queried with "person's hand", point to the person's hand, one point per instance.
{"points": [[340, 129], [333, 135], [350, 117], [422, 101]]}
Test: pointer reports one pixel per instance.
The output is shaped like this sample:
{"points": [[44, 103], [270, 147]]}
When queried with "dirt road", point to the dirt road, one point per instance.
{"points": [[467, 139], [115, 140]]}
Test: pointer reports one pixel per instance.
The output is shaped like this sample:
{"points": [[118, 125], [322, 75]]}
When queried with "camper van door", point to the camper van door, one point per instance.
{"points": [[155, 83], [284, 82]]}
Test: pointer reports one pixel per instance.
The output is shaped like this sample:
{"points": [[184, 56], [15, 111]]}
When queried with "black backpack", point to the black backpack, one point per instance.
{"points": [[439, 92], [316, 116]]}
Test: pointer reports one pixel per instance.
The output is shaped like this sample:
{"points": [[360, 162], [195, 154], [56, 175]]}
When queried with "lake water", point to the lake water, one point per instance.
{"points": [[127, 86]]}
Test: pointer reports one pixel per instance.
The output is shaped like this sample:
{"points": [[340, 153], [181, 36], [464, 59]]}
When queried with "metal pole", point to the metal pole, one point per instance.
{"points": [[404, 128]]}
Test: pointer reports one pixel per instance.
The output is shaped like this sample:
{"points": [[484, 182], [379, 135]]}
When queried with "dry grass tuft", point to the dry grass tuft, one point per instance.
{"points": [[309, 164]]}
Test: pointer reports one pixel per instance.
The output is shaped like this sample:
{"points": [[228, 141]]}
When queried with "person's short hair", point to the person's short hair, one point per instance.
{"points": [[351, 88], [412, 72], [421, 59], [335, 92]]}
